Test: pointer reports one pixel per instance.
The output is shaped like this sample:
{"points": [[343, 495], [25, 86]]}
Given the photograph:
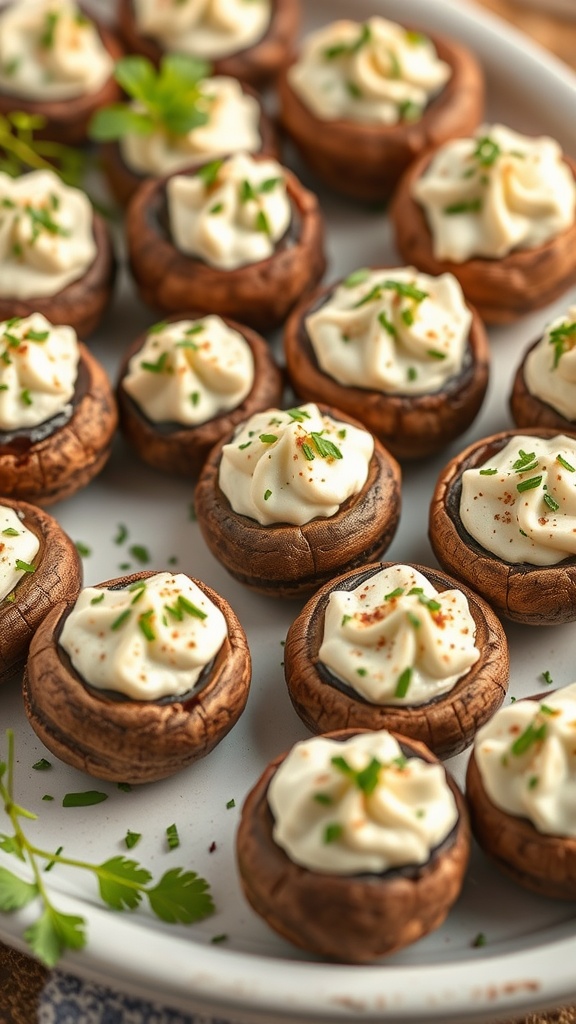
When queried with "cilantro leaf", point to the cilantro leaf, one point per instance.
{"points": [[14, 892], [54, 932], [181, 896], [113, 122], [119, 880]]}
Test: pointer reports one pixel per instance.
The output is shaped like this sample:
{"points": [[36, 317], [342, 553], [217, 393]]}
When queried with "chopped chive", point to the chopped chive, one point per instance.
{"points": [[551, 503], [530, 484], [564, 464], [97, 600], [22, 566], [190, 608], [332, 832], [145, 625], [268, 438], [403, 683], [121, 619], [488, 472], [172, 837]]}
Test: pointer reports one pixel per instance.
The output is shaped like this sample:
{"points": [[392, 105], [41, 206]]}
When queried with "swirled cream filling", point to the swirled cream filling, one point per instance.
{"points": [[290, 466], [396, 331], [50, 50], [190, 371], [360, 805], [46, 235], [232, 214], [375, 72], [149, 640], [203, 28], [38, 370], [521, 503], [233, 126], [18, 547], [550, 367], [495, 193], [526, 756], [395, 640]]}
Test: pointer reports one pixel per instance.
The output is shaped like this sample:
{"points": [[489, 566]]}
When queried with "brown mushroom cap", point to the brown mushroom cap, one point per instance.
{"points": [[365, 161], [126, 740], [291, 561], [410, 426], [259, 294], [256, 64], [175, 448], [530, 411], [446, 724], [81, 304], [124, 182], [67, 120], [542, 863], [502, 290], [348, 918], [56, 580], [46, 466], [536, 595]]}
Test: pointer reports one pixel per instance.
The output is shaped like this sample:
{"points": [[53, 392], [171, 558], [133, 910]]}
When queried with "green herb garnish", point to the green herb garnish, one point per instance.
{"points": [[403, 683], [172, 837], [86, 799], [179, 897]]}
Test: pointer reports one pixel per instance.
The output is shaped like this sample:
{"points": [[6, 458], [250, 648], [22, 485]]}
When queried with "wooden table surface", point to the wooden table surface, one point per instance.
{"points": [[21, 979]]}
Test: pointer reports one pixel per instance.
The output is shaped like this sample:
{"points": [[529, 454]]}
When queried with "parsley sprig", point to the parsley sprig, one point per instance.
{"points": [[179, 897], [169, 99]]}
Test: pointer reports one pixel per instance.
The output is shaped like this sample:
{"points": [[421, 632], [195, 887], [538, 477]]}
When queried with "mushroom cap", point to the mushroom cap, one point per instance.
{"points": [[530, 411], [56, 581], [542, 863], [410, 426], [365, 161], [291, 561], [82, 303], [62, 461], [348, 918], [259, 294], [535, 595], [122, 740], [174, 448], [502, 290], [446, 724]]}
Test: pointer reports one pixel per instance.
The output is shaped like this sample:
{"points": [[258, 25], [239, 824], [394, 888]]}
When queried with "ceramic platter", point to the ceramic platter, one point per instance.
{"points": [[528, 959]]}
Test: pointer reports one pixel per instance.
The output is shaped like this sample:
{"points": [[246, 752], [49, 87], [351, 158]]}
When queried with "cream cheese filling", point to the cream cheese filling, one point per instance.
{"points": [[50, 50], [521, 503], [203, 28], [234, 217], [290, 466], [18, 548], [149, 640], [497, 192], [526, 756], [46, 235], [396, 331], [550, 367], [396, 640], [374, 72], [189, 371], [359, 806], [38, 371]]}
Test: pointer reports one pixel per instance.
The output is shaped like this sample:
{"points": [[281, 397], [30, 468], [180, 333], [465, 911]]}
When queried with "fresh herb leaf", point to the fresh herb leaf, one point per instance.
{"points": [[172, 837], [86, 799]]}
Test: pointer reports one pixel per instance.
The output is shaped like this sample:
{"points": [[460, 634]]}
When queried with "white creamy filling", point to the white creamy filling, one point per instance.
{"points": [[38, 370], [375, 72], [494, 193], [49, 50], [203, 28], [360, 805], [550, 367], [46, 235], [190, 371], [396, 640], [521, 503], [526, 756], [396, 331], [232, 218], [18, 547], [233, 125], [294, 465], [150, 640]]}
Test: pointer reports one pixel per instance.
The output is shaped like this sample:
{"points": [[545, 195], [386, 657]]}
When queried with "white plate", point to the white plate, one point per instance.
{"points": [[529, 957]]}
